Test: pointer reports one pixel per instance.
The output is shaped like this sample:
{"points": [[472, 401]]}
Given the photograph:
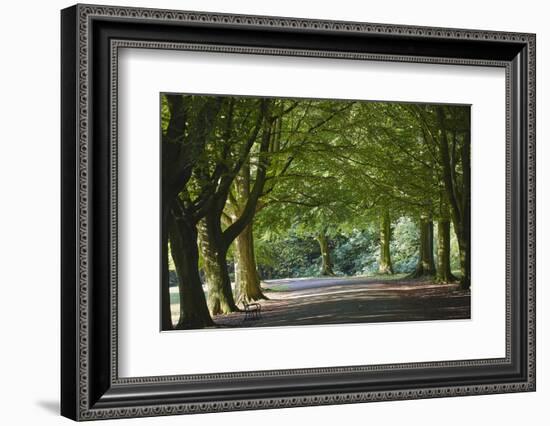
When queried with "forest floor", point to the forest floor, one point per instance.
{"points": [[339, 300]]}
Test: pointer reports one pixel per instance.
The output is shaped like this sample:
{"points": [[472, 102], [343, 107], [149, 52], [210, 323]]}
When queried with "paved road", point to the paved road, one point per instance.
{"points": [[339, 300], [298, 284]]}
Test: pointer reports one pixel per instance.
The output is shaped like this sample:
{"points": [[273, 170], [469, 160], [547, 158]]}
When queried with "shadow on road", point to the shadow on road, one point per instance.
{"points": [[334, 300]]}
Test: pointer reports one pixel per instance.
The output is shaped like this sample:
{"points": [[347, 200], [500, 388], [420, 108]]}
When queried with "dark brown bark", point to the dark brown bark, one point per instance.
{"points": [[183, 242], [247, 280], [464, 252], [458, 195], [166, 313], [326, 262], [385, 264], [179, 155], [425, 265], [180, 151], [464, 240]]}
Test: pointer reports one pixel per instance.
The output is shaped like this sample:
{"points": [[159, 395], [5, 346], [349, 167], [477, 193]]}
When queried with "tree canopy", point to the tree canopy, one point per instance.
{"points": [[259, 188]]}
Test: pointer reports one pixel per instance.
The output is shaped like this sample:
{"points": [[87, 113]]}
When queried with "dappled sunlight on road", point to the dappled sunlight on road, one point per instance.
{"points": [[342, 300]]}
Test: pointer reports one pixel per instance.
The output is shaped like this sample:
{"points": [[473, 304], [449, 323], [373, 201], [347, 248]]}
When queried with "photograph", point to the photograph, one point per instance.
{"points": [[280, 211], [346, 207]]}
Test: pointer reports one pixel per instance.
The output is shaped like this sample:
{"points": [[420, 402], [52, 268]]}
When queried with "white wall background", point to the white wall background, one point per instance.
{"points": [[29, 212]]}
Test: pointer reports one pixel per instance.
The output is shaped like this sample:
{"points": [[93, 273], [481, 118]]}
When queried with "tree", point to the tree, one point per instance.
{"points": [[385, 264], [326, 262], [444, 274], [456, 177], [207, 124], [193, 309], [300, 196], [236, 169], [243, 201], [426, 264], [185, 124], [400, 166], [446, 133], [247, 279], [214, 240]]}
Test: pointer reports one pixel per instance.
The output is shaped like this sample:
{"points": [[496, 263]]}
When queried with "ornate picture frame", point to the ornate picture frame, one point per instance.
{"points": [[91, 37]]}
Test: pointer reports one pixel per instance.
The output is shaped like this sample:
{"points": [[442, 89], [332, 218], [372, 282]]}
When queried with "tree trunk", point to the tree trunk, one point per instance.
{"points": [[238, 279], [166, 312], [193, 309], [214, 252], [385, 265], [463, 237], [326, 265], [459, 198], [426, 265], [444, 274], [246, 275], [175, 175]]}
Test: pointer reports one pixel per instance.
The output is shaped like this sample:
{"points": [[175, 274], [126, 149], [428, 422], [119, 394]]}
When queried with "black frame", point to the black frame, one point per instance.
{"points": [[90, 386]]}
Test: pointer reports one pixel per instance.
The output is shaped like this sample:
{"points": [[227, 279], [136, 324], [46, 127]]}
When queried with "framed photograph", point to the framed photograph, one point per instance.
{"points": [[263, 212]]}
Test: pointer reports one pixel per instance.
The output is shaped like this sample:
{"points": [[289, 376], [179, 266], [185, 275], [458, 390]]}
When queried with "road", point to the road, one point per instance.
{"points": [[340, 300]]}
